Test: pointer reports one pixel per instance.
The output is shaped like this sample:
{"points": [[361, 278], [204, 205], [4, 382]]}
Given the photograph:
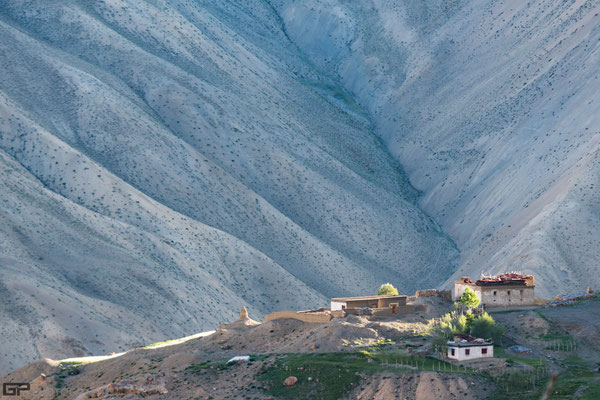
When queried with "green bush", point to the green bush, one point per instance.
{"points": [[470, 318], [485, 327], [460, 325], [387, 289]]}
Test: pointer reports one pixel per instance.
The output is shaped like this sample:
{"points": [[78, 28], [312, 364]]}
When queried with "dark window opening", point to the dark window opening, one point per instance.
{"points": [[467, 351], [484, 350], [452, 351], [508, 292], [494, 292]]}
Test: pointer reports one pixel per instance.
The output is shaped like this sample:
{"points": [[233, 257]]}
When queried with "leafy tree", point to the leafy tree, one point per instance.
{"points": [[485, 327], [470, 317], [449, 325], [439, 342], [460, 326], [387, 289], [469, 298]]}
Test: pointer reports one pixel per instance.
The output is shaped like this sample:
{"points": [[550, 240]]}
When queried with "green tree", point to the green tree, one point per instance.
{"points": [[485, 327], [469, 298], [470, 317], [387, 289], [460, 326], [439, 341]]}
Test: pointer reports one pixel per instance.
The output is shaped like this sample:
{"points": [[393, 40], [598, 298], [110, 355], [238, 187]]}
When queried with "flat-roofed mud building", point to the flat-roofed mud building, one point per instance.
{"points": [[346, 303], [504, 290]]}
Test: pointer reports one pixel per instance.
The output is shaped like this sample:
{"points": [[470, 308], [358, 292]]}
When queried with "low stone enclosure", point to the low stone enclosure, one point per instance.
{"points": [[313, 316], [325, 314], [443, 294]]}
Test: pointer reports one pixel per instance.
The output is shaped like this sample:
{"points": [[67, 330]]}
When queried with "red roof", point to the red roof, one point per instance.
{"points": [[506, 279]]}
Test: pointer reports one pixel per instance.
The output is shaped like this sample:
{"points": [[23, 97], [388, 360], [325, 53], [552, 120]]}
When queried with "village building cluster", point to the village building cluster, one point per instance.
{"points": [[504, 290]]}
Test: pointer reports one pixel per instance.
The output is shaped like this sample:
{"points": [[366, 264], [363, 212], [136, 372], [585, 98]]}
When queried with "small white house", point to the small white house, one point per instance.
{"points": [[465, 347]]}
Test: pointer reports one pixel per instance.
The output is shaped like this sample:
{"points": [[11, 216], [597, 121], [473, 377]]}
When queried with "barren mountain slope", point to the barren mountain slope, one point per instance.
{"points": [[492, 108], [163, 163]]}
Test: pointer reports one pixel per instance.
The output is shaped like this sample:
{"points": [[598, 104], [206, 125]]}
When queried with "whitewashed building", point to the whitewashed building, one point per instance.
{"points": [[465, 347], [504, 290]]}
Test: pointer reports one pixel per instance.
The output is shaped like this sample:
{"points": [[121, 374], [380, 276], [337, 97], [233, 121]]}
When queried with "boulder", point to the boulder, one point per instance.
{"points": [[290, 381]]}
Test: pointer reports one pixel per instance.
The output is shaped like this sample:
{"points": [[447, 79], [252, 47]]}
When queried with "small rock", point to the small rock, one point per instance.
{"points": [[309, 378], [290, 381], [43, 376], [313, 346]]}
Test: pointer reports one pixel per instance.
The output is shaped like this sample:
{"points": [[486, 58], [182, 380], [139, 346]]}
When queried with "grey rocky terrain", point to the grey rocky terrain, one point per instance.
{"points": [[163, 163]]}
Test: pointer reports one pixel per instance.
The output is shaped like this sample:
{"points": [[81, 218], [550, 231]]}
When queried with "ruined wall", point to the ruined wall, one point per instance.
{"points": [[444, 294], [305, 317]]}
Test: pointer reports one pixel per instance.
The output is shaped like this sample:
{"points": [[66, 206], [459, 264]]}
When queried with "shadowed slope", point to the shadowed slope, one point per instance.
{"points": [[171, 162], [493, 110]]}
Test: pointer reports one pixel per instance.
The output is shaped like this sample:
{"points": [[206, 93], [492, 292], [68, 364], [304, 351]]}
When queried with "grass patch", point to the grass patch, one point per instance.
{"points": [[561, 338], [519, 384], [578, 375], [505, 311], [500, 352], [592, 392], [199, 368], [337, 373], [333, 375], [558, 336]]}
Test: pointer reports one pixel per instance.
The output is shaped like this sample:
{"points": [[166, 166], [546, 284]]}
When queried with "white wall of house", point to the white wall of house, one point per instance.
{"points": [[459, 289], [336, 305], [470, 353]]}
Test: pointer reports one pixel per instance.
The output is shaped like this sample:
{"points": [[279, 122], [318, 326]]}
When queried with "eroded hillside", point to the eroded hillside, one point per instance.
{"points": [[492, 108], [165, 163]]}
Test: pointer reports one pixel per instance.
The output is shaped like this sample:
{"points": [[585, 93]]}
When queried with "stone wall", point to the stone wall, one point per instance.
{"points": [[301, 316], [385, 312], [507, 296], [444, 294], [499, 296]]}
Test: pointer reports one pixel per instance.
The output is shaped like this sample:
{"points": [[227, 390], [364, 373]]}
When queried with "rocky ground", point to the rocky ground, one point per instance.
{"points": [[165, 162], [353, 358]]}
